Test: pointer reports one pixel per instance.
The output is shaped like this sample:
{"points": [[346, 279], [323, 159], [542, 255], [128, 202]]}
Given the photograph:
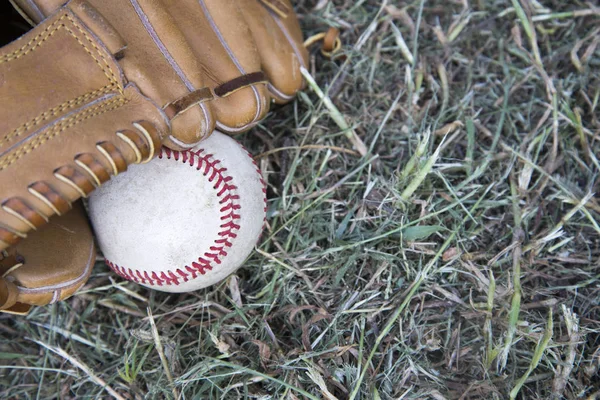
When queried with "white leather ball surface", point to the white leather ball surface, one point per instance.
{"points": [[183, 221]]}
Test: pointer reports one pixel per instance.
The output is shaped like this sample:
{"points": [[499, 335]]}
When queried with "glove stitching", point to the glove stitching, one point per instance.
{"points": [[46, 34], [55, 111], [63, 125], [108, 71], [22, 51], [53, 29]]}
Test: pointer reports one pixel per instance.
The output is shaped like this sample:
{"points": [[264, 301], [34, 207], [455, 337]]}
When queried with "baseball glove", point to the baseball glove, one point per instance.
{"points": [[48, 267], [206, 62], [99, 85], [69, 119], [104, 70]]}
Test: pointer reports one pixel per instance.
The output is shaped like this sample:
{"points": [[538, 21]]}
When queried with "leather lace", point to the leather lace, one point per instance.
{"points": [[332, 43], [86, 173]]}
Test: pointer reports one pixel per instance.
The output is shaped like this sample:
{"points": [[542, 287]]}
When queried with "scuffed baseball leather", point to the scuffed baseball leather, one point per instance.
{"points": [[48, 267], [206, 62], [68, 120]]}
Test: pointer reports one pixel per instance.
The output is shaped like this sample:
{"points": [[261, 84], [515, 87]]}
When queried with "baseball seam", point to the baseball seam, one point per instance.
{"points": [[229, 216]]}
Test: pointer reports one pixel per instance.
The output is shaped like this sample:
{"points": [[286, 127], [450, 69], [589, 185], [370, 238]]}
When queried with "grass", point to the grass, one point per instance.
{"points": [[433, 230]]}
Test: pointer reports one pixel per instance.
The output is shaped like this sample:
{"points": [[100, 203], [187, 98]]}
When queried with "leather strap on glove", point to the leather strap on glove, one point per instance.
{"points": [[206, 62], [68, 120], [98, 85], [105, 69]]}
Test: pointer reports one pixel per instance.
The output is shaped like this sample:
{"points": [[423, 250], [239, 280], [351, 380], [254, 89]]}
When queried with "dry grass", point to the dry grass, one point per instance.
{"points": [[457, 259]]}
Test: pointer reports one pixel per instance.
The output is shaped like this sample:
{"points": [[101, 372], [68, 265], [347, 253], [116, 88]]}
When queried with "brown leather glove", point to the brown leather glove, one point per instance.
{"points": [[51, 265], [68, 119], [91, 90], [206, 62], [81, 90]]}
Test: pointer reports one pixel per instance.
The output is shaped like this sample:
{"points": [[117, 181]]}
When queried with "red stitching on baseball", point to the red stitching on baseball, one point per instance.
{"points": [[229, 216]]}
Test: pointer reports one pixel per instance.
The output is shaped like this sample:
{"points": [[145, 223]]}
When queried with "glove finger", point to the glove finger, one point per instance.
{"points": [[226, 52], [157, 59], [161, 63], [278, 36], [59, 144], [50, 266]]}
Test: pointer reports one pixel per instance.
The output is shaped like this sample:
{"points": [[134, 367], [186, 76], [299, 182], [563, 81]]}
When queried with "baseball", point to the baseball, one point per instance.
{"points": [[183, 221]]}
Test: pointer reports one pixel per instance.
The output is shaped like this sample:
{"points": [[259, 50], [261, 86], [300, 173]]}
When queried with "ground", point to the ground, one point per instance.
{"points": [[433, 230]]}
